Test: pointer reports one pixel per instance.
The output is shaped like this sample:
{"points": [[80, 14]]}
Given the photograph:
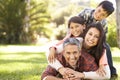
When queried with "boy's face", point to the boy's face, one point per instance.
{"points": [[100, 13], [71, 54]]}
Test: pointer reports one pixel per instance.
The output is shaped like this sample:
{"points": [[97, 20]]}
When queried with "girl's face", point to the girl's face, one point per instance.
{"points": [[76, 29], [92, 37]]}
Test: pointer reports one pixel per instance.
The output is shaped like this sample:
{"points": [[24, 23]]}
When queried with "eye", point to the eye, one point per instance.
{"points": [[99, 10], [71, 27], [68, 53], [96, 36], [76, 26], [90, 34], [75, 52]]}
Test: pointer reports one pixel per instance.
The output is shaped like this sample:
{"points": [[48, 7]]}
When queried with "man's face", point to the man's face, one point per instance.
{"points": [[100, 13], [71, 54]]}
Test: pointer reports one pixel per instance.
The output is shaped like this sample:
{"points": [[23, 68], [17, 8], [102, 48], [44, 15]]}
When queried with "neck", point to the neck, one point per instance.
{"points": [[85, 46], [74, 66]]}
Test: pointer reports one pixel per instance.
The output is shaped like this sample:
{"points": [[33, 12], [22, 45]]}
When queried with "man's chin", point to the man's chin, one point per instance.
{"points": [[73, 64]]}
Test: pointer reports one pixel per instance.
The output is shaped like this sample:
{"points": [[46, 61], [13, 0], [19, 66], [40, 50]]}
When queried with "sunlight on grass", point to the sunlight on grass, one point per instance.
{"points": [[21, 63], [15, 49]]}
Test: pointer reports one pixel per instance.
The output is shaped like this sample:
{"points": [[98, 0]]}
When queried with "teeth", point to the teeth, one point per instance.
{"points": [[90, 42]]}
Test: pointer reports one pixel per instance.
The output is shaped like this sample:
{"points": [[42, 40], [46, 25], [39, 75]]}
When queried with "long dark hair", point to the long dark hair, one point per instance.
{"points": [[97, 51], [76, 19]]}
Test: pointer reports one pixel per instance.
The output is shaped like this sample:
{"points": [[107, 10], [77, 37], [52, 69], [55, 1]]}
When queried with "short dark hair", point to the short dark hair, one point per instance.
{"points": [[107, 6], [76, 19]]}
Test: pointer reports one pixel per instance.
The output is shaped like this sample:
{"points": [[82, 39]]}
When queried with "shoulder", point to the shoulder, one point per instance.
{"points": [[87, 57], [87, 11], [103, 22]]}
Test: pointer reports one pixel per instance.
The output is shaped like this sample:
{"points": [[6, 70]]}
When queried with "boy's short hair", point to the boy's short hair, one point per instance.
{"points": [[107, 6]]}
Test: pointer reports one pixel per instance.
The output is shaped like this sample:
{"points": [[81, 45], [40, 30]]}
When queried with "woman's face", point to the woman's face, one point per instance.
{"points": [[92, 37], [76, 29]]}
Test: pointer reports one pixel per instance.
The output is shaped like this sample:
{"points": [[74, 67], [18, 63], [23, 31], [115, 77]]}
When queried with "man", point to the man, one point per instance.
{"points": [[103, 10], [73, 60]]}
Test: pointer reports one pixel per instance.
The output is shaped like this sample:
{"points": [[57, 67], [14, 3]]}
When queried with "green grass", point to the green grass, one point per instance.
{"points": [[21, 65], [27, 62]]}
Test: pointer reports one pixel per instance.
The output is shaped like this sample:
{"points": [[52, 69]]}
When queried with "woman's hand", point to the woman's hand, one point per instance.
{"points": [[101, 70], [51, 57]]}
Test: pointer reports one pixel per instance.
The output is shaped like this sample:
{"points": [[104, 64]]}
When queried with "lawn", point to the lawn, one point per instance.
{"points": [[28, 62], [21, 63]]}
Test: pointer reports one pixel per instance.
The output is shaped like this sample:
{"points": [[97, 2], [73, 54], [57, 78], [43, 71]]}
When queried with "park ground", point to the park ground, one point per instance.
{"points": [[23, 62]]}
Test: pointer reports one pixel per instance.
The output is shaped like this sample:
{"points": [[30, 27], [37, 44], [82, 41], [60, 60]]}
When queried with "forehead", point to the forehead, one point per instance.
{"points": [[73, 23], [94, 30], [71, 47], [102, 9]]}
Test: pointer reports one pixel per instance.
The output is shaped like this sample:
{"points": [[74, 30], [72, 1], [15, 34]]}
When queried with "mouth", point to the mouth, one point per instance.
{"points": [[90, 42], [76, 33]]}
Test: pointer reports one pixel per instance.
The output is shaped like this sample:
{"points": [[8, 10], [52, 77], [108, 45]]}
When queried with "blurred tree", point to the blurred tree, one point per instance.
{"points": [[118, 21], [20, 18], [37, 18], [12, 13], [112, 34]]}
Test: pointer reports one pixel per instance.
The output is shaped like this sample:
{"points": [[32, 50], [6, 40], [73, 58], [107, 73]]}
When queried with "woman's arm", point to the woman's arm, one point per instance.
{"points": [[103, 71], [94, 75]]}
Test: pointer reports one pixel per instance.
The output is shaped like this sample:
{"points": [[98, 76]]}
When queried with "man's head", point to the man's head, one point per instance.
{"points": [[72, 47], [103, 10]]}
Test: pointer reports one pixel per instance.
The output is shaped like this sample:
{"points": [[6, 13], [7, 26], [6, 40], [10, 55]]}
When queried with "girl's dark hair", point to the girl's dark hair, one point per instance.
{"points": [[107, 6], [97, 51], [76, 19]]}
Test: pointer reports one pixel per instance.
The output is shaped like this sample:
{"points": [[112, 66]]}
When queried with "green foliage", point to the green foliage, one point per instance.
{"points": [[12, 13], [20, 18], [112, 33], [38, 19]]}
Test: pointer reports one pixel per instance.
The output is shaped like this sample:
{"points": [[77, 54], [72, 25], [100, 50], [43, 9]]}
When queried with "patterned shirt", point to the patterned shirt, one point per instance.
{"points": [[85, 63], [87, 14]]}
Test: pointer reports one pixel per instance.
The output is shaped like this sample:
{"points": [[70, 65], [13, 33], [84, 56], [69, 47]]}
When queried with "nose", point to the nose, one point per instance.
{"points": [[75, 29], [91, 37], [72, 56]]}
